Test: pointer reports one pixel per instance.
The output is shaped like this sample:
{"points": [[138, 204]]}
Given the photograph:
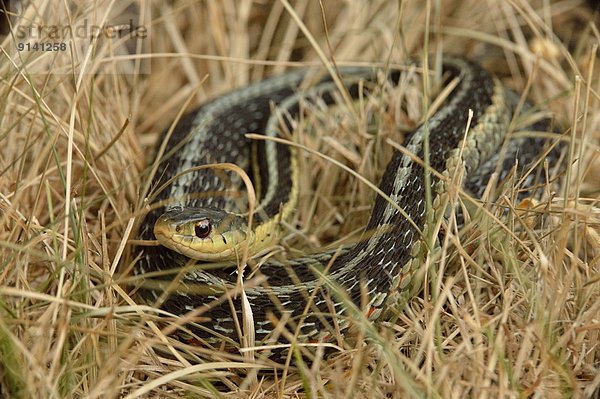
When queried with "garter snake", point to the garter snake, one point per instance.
{"points": [[196, 217]]}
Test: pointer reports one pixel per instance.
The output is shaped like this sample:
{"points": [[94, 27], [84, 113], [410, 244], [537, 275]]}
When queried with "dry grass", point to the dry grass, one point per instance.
{"points": [[507, 312]]}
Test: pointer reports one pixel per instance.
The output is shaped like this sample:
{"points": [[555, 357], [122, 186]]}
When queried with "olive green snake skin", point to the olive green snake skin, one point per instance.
{"points": [[374, 273]]}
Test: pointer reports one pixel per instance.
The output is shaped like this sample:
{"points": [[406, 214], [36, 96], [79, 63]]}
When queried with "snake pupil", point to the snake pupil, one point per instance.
{"points": [[202, 228]]}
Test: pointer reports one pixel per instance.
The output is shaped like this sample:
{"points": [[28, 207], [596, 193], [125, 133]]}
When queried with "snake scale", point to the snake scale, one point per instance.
{"points": [[374, 273]]}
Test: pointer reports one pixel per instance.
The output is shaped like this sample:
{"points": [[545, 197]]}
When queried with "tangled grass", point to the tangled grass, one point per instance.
{"points": [[507, 309]]}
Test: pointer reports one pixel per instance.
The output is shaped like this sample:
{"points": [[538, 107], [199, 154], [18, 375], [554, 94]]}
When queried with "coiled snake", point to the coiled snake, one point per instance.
{"points": [[196, 216]]}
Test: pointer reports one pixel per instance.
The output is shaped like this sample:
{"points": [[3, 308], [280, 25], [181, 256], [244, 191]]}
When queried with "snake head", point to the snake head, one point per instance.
{"points": [[205, 234]]}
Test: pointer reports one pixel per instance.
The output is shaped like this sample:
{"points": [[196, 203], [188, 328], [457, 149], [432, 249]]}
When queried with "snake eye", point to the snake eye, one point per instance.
{"points": [[202, 228]]}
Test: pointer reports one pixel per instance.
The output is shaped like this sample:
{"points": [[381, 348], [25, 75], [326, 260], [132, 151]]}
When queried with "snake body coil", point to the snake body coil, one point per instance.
{"points": [[379, 267]]}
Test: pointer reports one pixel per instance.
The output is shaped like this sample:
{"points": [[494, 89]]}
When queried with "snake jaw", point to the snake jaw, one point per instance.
{"points": [[222, 237]]}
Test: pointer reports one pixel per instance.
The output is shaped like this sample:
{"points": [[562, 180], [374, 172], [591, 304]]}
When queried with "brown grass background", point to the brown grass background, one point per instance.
{"points": [[502, 318]]}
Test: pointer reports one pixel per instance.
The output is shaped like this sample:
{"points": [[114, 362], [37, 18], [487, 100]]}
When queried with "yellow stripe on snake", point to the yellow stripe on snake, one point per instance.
{"points": [[199, 221]]}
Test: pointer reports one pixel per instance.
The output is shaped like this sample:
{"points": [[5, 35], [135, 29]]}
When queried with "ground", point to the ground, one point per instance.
{"points": [[507, 308]]}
